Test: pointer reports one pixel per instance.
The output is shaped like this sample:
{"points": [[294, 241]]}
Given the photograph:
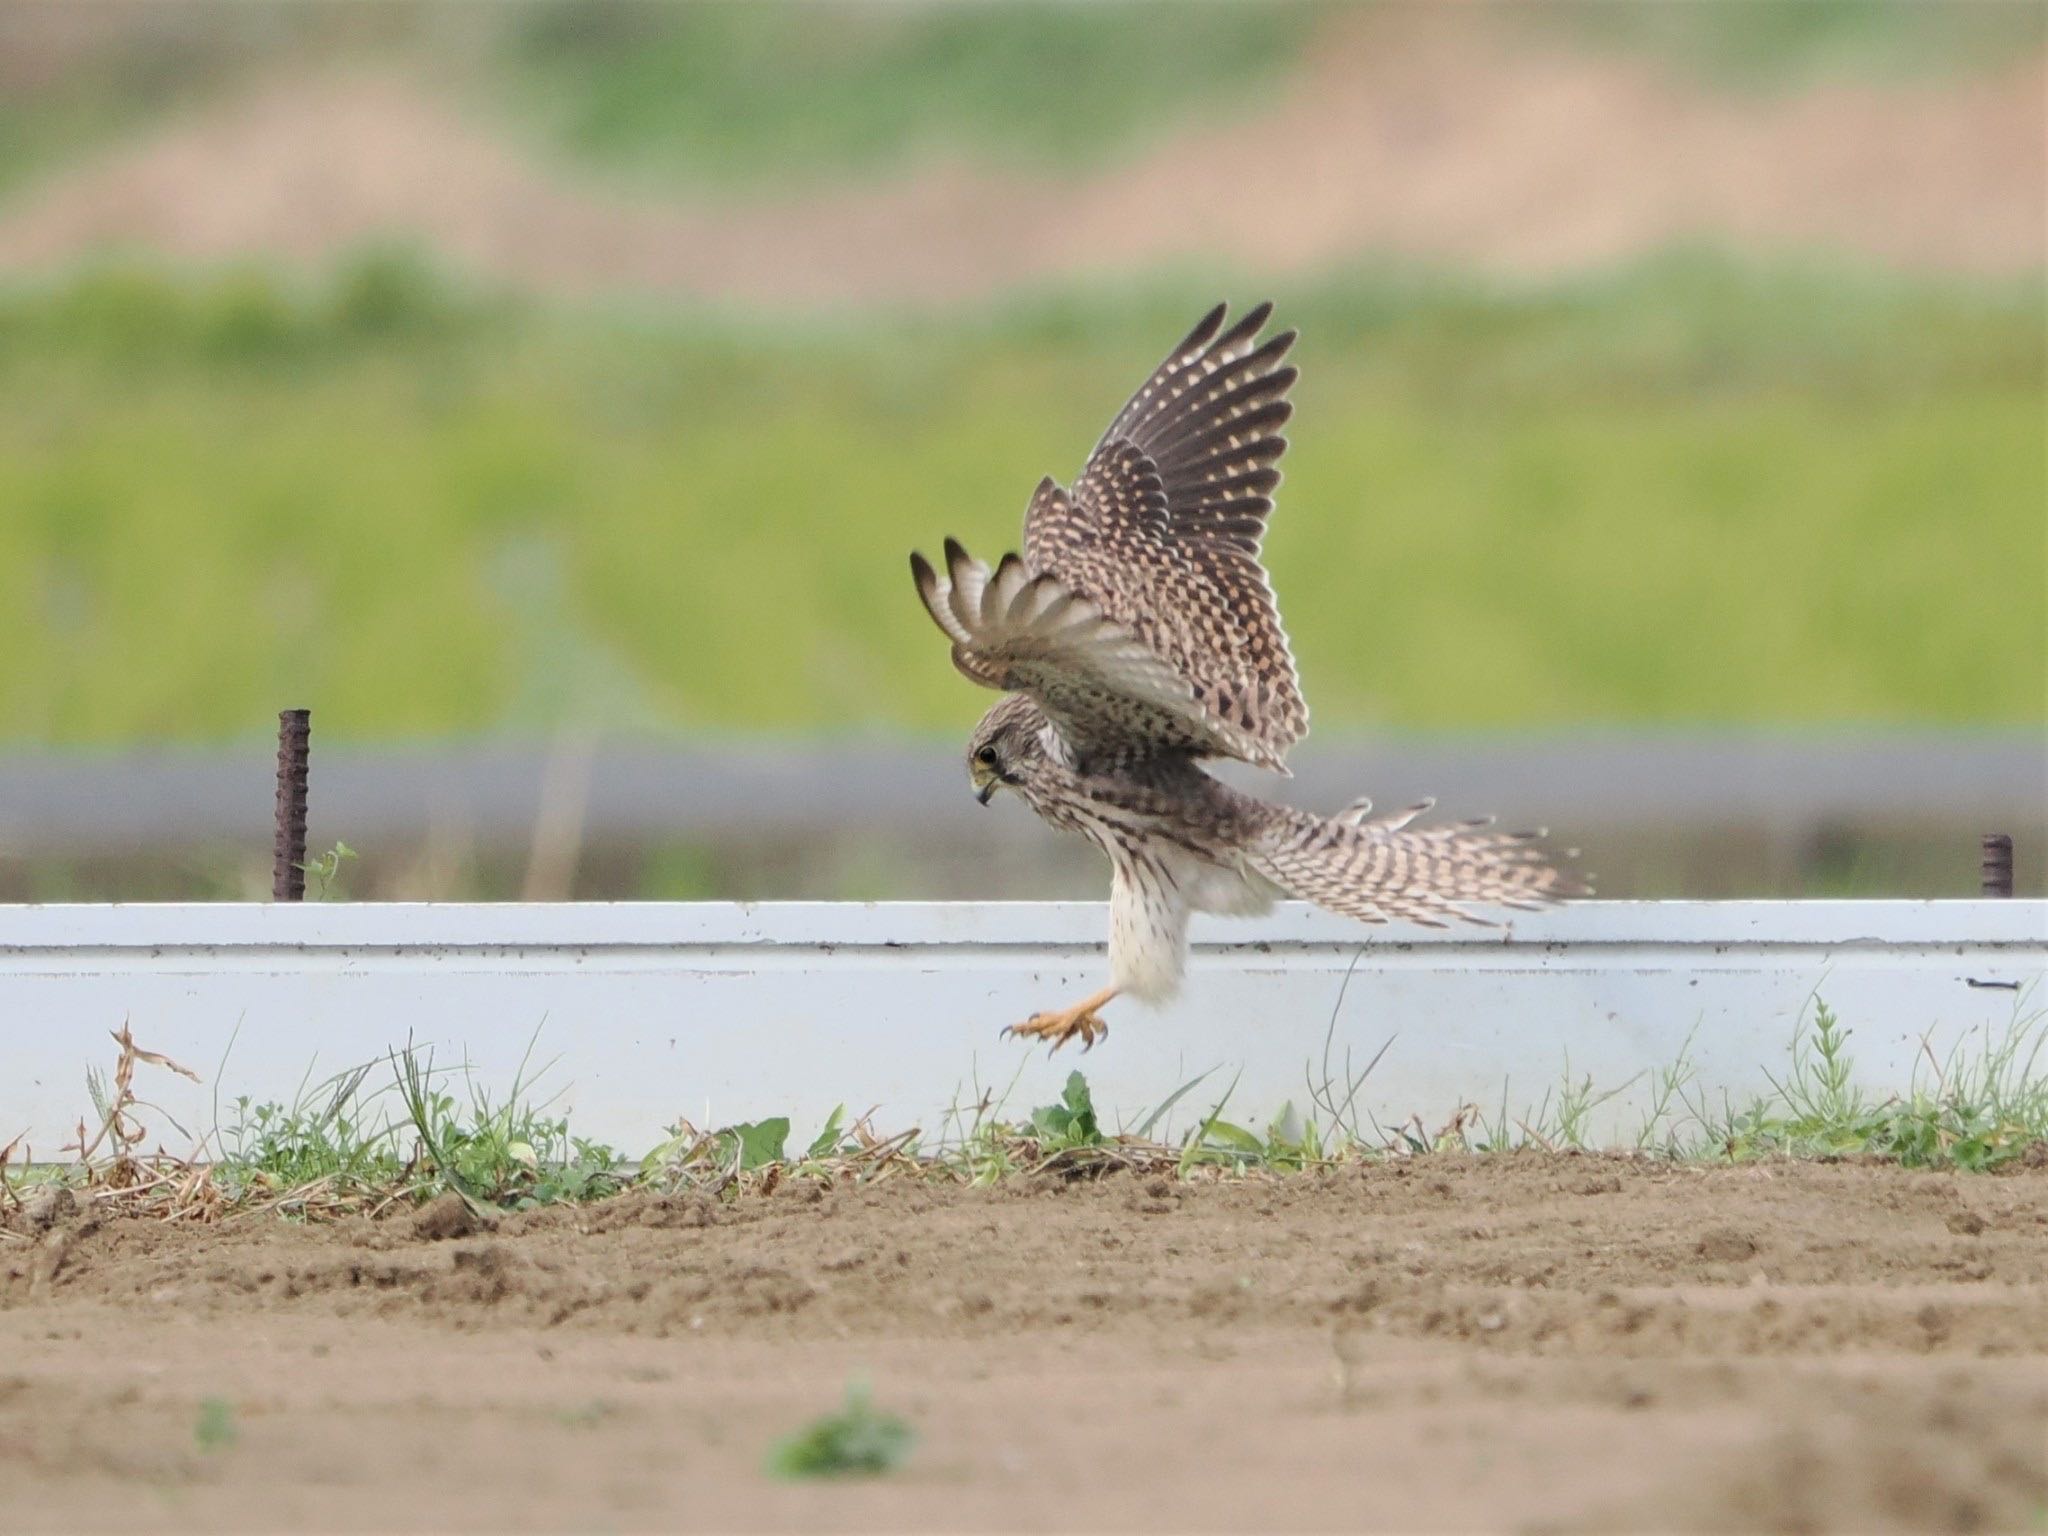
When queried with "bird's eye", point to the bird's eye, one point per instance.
{"points": [[986, 756]]}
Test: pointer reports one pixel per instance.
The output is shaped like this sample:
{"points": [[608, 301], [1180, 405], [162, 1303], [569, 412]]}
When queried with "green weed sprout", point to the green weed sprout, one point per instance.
{"points": [[854, 1442], [214, 1429], [325, 869]]}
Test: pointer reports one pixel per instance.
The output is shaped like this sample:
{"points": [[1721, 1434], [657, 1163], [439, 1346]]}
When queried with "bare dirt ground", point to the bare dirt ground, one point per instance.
{"points": [[1431, 135], [1527, 1342]]}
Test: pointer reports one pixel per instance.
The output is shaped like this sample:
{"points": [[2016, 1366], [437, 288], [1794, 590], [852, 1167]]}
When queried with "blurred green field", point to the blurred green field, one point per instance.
{"points": [[1782, 44], [726, 94], [711, 93], [1698, 491], [731, 93]]}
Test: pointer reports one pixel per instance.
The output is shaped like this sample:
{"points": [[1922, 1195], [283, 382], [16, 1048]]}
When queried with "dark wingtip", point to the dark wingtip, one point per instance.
{"points": [[1205, 328], [955, 554], [1246, 327]]}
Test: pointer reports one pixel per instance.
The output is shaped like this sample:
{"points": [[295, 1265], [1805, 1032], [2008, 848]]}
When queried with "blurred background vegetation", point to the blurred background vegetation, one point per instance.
{"points": [[510, 371], [721, 94], [442, 515]]}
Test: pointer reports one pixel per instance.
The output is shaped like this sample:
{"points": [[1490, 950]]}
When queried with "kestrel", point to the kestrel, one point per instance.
{"points": [[1136, 636]]}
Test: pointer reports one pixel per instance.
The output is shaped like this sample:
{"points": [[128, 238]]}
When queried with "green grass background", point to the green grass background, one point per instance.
{"points": [[1696, 491]]}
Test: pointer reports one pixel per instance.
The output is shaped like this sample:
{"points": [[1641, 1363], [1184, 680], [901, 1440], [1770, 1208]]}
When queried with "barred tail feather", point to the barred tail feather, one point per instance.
{"points": [[1378, 869]]}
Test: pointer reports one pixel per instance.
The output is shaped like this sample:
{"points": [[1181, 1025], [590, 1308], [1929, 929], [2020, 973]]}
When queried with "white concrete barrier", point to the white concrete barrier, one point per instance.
{"points": [[723, 1012]]}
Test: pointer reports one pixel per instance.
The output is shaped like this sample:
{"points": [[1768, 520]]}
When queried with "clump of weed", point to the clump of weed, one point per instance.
{"points": [[508, 1153], [1071, 1122], [329, 1141], [857, 1441], [754, 1154], [115, 1103], [1067, 1139], [1984, 1104]]}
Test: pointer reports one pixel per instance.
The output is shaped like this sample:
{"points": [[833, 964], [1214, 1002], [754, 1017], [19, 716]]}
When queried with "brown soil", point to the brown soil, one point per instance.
{"points": [[1527, 1342], [1432, 133]]}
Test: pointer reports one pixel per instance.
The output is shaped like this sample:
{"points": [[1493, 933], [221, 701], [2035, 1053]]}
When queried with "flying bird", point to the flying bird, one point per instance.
{"points": [[1136, 636]]}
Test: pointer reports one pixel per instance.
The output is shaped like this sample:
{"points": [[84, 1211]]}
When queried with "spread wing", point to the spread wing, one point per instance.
{"points": [[1104, 688], [1140, 617], [1162, 532]]}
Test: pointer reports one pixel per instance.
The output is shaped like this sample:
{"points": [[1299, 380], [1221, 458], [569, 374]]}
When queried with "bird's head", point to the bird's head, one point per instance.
{"points": [[1007, 747]]}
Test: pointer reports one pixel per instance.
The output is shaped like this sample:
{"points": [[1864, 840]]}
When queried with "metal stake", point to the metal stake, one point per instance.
{"points": [[288, 858], [1997, 867]]}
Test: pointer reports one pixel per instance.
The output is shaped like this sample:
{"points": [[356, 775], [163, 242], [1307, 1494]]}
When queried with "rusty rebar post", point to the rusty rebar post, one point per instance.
{"points": [[1997, 867], [288, 857]]}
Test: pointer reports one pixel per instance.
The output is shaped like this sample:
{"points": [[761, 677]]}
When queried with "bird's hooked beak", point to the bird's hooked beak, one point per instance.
{"points": [[984, 778]]}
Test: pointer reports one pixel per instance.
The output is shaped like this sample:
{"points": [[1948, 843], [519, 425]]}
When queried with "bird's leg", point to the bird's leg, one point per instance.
{"points": [[1063, 1024]]}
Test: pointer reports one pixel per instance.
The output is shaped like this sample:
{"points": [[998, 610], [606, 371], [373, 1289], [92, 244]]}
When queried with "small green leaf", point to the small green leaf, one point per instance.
{"points": [[1052, 1122], [1233, 1137], [1081, 1106], [659, 1157], [827, 1141], [761, 1142]]}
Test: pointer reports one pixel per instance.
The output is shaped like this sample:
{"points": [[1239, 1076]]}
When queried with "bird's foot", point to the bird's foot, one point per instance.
{"points": [[1063, 1025]]}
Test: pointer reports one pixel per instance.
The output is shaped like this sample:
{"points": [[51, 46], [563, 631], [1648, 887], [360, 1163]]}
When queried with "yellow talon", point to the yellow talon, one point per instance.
{"points": [[1062, 1025]]}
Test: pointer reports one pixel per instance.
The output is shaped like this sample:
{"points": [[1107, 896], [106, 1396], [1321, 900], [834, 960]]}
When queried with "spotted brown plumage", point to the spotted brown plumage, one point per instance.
{"points": [[1137, 635], [1164, 527]]}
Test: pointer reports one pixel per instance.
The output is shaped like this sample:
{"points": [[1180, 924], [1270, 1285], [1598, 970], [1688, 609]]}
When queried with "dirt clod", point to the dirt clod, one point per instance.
{"points": [[446, 1215], [48, 1207], [1726, 1245]]}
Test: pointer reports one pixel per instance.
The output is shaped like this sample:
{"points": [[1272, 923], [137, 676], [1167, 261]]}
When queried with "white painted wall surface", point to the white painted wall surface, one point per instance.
{"points": [[723, 1012]]}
